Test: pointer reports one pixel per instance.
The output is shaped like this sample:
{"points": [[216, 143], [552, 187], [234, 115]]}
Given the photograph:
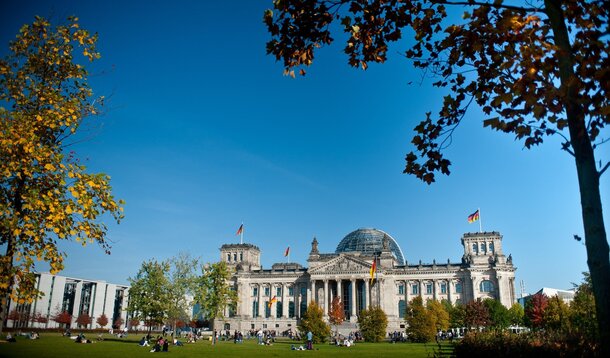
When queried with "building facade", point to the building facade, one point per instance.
{"points": [[73, 295], [483, 272]]}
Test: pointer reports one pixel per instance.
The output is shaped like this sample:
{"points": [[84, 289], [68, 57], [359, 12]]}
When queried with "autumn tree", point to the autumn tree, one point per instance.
{"points": [[336, 313], [39, 318], [102, 320], [556, 316], [149, 293], [118, 322], [476, 314], [373, 323], [46, 194], [535, 69], [534, 310], [421, 324], [582, 310], [313, 321], [214, 291], [83, 320], [440, 314], [134, 323], [63, 318]]}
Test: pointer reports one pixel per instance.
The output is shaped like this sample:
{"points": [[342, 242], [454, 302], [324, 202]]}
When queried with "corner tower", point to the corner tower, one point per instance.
{"points": [[241, 256]]}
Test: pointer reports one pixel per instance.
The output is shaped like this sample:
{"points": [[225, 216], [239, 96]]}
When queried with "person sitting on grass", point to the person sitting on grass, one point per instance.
{"points": [[177, 342], [143, 342], [165, 346], [10, 338]]}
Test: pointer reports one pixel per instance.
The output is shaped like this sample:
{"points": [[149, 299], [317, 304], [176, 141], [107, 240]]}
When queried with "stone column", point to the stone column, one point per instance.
{"points": [[325, 298], [367, 294], [339, 290], [312, 297], [297, 300], [421, 286], [449, 297], [285, 301], [434, 289], [353, 303]]}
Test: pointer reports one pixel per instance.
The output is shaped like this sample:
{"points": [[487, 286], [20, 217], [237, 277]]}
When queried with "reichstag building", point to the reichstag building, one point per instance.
{"points": [[483, 272]]}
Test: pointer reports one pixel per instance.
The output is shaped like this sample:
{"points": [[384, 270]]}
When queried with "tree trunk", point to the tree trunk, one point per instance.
{"points": [[598, 256]]}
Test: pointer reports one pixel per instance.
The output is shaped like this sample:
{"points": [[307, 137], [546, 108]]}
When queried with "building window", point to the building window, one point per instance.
{"points": [[291, 309], [267, 291], [443, 288], [235, 256], [304, 292], [475, 248], [255, 291], [486, 286], [241, 256], [402, 309], [414, 289], [278, 292], [254, 308], [483, 247], [229, 257], [278, 309], [401, 289], [290, 291], [267, 309], [458, 287], [491, 247], [428, 288]]}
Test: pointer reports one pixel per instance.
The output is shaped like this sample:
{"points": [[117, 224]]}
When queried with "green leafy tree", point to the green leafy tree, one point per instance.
{"points": [[515, 315], [582, 310], [476, 314], [46, 195], [336, 314], [182, 283], [441, 316], [421, 324], [456, 314], [556, 316], [498, 314], [313, 320], [537, 70], [373, 324], [214, 291], [149, 293]]}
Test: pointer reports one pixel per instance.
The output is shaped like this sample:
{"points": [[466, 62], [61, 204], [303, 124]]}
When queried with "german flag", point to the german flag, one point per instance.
{"points": [[473, 217], [373, 269], [273, 300]]}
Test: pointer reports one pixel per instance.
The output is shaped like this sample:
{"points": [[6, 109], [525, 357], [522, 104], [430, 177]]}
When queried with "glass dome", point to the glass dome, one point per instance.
{"points": [[369, 242]]}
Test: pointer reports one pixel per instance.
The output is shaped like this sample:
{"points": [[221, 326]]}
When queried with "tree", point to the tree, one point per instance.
{"points": [[582, 310], [117, 323], [476, 314], [515, 315], [149, 293], [214, 291], [63, 318], [336, 314], [534, 310], [134, 323], [313, 320], [102, 320], [536, 70], [83, 320], [456, 313], [556, 316], [39, 318], [440, 314], [498, 314], [421, 323], [181, 282], [46, 195], [373, 324]]}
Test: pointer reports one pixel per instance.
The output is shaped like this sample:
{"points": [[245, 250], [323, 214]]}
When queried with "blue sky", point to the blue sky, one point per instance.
{"points": [[202, 131]]}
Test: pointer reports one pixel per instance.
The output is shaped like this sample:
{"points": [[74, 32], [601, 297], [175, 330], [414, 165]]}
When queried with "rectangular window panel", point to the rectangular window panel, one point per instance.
{"points": [[278, 292], [254, 291], [401, 289], [267, 291], [429, 289], [443, 288], [458, 288], [290, 291], [414, 289]]}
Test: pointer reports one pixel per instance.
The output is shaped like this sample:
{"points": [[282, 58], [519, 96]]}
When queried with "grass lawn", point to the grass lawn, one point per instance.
{"points": [[53, 345]]}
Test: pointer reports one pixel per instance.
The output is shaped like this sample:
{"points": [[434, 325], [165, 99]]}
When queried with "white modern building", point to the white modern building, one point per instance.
{"points": [[483, 272], [73, 295]]}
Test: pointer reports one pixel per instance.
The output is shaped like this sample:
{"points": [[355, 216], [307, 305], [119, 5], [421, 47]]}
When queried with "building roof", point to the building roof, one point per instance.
{"points": [[369, 241]]}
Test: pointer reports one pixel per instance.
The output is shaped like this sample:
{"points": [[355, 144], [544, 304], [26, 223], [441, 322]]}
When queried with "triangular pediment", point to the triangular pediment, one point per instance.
{"points": [[344, 264]]}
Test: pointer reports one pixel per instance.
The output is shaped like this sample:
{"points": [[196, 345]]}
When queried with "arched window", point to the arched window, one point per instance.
{"points": [[402, 309], [491, 247], [291, 309], [475, 248], [486, 286]]}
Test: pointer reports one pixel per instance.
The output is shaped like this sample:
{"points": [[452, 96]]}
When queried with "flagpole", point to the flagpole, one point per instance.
{"points": [[480, 221]]}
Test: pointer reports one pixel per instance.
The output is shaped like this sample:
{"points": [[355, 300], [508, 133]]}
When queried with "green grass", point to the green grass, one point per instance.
{"points": [[53, 345]]}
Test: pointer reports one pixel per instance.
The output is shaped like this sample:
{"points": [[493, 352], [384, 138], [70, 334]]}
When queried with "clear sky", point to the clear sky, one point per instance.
{"points": [[203, 132]]}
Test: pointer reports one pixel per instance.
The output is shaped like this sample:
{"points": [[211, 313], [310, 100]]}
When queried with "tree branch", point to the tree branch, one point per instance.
{"points": [[603, 170], [494, 5]]}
